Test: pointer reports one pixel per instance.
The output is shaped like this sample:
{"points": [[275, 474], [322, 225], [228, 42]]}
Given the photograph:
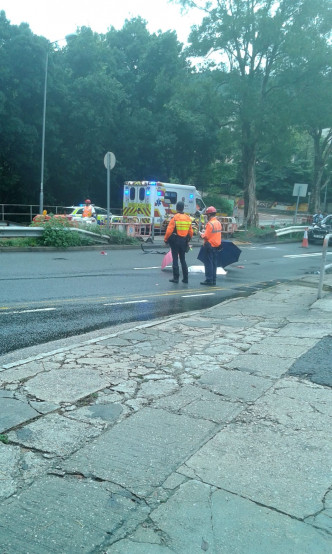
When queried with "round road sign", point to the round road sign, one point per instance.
{"points": [[109, 160]]}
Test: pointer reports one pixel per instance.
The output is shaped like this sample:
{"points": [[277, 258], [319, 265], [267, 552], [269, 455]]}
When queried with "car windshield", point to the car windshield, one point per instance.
{"points": [[327, 220]]}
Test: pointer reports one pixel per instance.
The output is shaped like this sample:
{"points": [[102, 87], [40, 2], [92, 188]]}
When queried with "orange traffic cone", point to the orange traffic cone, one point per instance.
{"points": [[305, 239]]}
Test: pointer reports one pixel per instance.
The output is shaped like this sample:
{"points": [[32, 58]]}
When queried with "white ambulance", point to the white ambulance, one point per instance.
{"points": [[147, 199]]}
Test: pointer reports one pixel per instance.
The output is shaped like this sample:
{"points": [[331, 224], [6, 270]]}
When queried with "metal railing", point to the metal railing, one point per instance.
{"points": [[20, 231], [289, 230], [323, 266], [27, 211]]}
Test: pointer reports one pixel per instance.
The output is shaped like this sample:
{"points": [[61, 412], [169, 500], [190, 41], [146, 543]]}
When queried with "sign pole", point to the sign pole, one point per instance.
{"points": [[153, 201], [108, 188], [109, 163], [297, 207], [300, 189]]}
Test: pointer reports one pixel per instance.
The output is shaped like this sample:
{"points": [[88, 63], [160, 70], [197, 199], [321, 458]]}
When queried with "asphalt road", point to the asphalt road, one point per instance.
{"points": [[46, 296]]}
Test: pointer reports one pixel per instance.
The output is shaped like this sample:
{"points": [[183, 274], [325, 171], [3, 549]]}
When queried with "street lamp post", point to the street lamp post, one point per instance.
{"points": [[41, 196]]}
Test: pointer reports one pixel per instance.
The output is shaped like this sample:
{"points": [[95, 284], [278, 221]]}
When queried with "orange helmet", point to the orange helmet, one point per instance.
{"points": [[210, 210], [87, 201]]}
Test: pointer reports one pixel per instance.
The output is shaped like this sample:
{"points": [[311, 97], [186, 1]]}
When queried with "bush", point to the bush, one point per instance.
{"points": [[221, 204], [60, 237], [118, 237], [57, 233]]}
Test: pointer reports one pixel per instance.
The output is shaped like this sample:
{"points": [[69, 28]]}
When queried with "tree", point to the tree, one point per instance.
{"points": [[256, 40], [21, 54]]}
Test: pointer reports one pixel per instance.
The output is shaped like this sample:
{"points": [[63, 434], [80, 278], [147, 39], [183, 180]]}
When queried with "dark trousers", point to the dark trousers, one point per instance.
{"points": [[210, 263], [178, 247]]}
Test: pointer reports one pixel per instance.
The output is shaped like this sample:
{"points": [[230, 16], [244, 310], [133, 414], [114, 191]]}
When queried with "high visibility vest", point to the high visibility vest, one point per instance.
{"points": [[212, 232], [87, 212], [180, 225]]}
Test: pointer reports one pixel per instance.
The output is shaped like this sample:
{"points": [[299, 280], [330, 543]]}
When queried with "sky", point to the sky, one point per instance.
{"points": [[54, 19]]}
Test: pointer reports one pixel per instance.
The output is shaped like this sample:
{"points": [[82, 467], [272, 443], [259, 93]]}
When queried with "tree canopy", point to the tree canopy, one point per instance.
{"points": [[245, 108]]}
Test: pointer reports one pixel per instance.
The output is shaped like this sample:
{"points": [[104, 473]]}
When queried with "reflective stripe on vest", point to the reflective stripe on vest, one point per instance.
{"points": [[215, 230], [182, 224]]}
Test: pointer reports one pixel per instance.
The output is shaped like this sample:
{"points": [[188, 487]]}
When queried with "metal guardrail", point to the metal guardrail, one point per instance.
{"points": [[323, 266], [13, 231], [289, 230]]}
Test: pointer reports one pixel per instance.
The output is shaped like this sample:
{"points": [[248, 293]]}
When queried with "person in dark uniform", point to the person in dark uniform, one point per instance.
{"points": [[178, 234]]}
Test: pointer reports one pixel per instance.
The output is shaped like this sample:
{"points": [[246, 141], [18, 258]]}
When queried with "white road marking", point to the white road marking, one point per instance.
{"points": [[129, 302], [31, 311], [152, 267], [201, 269], [202, 294], [313, 254]]}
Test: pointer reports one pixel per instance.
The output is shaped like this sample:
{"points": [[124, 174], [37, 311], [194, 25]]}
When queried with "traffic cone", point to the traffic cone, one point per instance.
{"points": [[305, 239]]}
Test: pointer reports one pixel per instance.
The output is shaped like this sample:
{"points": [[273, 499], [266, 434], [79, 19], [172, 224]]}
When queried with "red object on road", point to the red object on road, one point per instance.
{"points": [[167, 260]]}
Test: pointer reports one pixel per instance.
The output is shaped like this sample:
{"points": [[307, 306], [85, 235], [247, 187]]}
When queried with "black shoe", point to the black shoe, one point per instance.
{"points": [[208, 283], [174, 280], [185, 281]]}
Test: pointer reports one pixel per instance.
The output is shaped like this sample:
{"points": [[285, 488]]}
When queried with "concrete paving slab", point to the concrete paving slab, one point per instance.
{"points": [[156, 443], [14, 412], [237, 322], [6, 393], [66, 385], [154, 389], [261, 364], [198, 402], [9, 459], [296, 405], [271, 347], [199, 518], [24, 371], [305, 329], [57, 515], [54, 434], [286, 470], [303, 342], [235, 385], [97, 413], [44, 407], [133, 547]]}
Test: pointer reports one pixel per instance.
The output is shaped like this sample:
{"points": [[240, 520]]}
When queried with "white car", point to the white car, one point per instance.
{"points": [[75, 213]]}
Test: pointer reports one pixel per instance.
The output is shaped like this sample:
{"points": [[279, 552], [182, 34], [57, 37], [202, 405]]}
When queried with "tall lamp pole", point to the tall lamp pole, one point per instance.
{"points": [[41, 196]]}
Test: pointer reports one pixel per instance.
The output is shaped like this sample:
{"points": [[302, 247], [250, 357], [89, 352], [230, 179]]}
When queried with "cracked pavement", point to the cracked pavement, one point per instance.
{"points": [[208, 431]]}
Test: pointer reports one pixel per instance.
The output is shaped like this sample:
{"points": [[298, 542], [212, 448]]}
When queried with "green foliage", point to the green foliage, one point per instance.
{"points": [[59, 233], [60, 237], [118, 237], [19, 242], [222, 204], [233, 120], [4, 439]]}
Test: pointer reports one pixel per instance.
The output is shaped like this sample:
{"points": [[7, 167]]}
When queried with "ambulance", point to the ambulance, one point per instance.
{"points": [[147, 199]]}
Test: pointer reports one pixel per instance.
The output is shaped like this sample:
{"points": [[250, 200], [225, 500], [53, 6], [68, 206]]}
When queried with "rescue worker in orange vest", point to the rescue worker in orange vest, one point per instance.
{"points": [[178, 234], [88, 209], [212, 243]]}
